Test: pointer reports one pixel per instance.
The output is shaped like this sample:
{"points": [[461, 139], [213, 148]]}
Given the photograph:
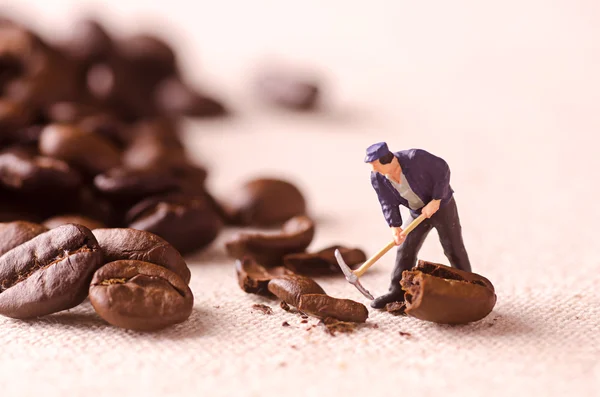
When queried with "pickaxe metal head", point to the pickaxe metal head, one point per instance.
{"points": [[350, 276]]}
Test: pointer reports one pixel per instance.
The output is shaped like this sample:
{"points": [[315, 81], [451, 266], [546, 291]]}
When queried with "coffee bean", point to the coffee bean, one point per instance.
{"points": [[323, 262], [48, 273], [254, 278], [148, 152], [173, 97], [446, 295], [22, 170], [151, 58], [140, 296], [129, 244], [68, 112], [14, 116], [60, 220], [90, 42], [291, 287], [187, 222], [265, 202], [323, 306], [92, 153], [287, 89], [106, 126], [396, 307], [131, 184], [269, 249], [13, 234]]}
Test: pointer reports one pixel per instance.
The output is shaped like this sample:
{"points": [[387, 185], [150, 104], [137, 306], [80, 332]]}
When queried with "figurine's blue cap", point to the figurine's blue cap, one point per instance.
{"points": [[376, 151]]}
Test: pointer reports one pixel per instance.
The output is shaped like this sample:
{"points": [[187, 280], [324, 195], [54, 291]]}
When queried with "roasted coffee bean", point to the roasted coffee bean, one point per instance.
{"points": [[323, 262], [151, 58], [68, 112], [446, 295], [290, 288], [130, 244], [173, 97], [106, 126], [49, 273], [14, 116], [131, 184], [323, 306], [87, 151], [269, 249], [265, 202], [22, 170], [288, 90], [187, 222], [140, 296], [90, 42], [148, 152], [396, 307], [60, 220], [254, 278], [13, 234]]}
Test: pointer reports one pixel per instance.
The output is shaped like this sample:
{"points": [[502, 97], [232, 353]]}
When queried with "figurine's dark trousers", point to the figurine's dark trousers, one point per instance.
{"points": [[447, 224]]}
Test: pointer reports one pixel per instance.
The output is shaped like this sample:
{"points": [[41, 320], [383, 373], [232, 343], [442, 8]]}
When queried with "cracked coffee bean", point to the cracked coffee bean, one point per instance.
{"points": [[323, 262], [188, 223], [446, 295], [173, 97], [13, 234], [291, 287], [288, 90], [269, 249], [140, 296], [265, 202], [254, 278], [60, 220], [49, 273], [131, 244], [323, 306], [89, 152]]}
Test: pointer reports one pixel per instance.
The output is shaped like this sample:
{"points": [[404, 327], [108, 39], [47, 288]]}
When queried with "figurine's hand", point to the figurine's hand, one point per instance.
{"points": [[398, 235], [431, 208]]}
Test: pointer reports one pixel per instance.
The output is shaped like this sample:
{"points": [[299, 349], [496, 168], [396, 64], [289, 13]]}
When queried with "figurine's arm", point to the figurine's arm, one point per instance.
{"points": [[439, 171], [390, 209]]}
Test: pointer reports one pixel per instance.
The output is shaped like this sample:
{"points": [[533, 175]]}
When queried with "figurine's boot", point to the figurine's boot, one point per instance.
{"points": [[406, 259]]}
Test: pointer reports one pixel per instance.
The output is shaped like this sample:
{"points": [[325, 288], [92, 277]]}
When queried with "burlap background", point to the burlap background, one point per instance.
{"points": [[506, 92]]}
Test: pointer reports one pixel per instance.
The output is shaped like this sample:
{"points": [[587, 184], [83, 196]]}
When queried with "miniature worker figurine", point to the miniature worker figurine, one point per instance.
{"points": [[419, 181]]}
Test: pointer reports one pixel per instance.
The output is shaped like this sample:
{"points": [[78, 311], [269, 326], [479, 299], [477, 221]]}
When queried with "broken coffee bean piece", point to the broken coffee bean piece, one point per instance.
{"points": [[323, 262], [254, 278], [262, 308], [396, 307], [446, 295], [140, 296], [323, 306], [332, 326], [264, 202], [290, 288], [268, 249], [287, 89]]}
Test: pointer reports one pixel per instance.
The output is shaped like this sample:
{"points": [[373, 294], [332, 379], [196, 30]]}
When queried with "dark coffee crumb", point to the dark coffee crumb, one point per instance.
{"points": [[408, 335], [490, 325], [294, 347], [263, 308], [304, 321], [375, 325], [285, 324], [331, 326], [284, 306], [304, 316], [282, 364], [217, 307], [396, 307]]}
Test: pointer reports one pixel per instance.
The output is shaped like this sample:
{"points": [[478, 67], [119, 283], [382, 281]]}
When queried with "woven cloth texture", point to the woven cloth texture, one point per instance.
{"points": [[505, 92]]}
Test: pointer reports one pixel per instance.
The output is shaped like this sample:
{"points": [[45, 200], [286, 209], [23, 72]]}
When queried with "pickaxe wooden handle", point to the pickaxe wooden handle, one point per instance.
{"points": [[371, 261]]}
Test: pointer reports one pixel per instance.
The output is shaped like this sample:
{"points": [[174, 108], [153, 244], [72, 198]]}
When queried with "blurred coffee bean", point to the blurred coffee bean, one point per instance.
{"points": [[90, 42], [13, 234], [147, 151], [14, 116], [89, 152], [323, 262], [22, 170], [106, 126], [92, 205], [264, 202], [174, 97], [130, 184], [151, 58], [68, 112], [287, 89], [60, 220], [188, 223]]}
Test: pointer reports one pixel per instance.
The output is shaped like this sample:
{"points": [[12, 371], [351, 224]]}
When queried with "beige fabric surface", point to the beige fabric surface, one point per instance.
{"points": [[506, 92]]}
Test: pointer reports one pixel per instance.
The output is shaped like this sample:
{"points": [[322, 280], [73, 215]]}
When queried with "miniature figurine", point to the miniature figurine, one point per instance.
{"points": [[419, 181]]}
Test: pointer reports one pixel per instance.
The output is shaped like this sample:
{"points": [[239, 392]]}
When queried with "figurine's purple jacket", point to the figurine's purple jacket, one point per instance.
{"points": [[427, 175]]}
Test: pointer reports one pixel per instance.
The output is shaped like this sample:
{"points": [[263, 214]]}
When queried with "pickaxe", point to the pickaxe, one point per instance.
{"points": [[353, 276]]}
